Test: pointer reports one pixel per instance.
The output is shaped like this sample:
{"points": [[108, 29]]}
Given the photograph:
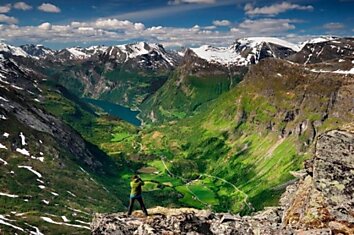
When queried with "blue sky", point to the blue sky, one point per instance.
{"points": [[174, 23]]}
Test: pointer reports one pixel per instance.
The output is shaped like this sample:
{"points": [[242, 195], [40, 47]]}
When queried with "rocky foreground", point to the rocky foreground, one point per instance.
{"points": [[320, 202]]}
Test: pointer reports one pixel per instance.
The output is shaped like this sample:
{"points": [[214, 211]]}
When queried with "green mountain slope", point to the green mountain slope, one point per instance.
{"points": [[244, 145], [192, 85], [47, 169]]}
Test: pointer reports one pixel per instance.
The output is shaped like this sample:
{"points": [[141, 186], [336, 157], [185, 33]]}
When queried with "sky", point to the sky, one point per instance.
{"points": [[173, 23]]}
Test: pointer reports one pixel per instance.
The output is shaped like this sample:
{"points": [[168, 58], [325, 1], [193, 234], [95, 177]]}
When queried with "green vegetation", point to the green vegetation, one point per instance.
{"points": [[183, 94]]}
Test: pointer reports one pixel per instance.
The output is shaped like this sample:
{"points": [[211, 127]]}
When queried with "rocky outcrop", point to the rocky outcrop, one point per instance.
{"points": [[323, 198], [320, 202]]}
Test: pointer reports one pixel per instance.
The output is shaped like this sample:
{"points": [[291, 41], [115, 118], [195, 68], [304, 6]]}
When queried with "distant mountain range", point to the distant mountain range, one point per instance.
{"points": [[243, 52]]}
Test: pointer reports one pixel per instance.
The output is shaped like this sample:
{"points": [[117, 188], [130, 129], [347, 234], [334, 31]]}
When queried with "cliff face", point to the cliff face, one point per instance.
{"points": [[320, 202]]}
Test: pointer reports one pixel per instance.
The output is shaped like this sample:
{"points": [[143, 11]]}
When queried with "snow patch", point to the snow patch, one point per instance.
{"points": [[17, 51], [82, 222], [36, 232], [220, 55], [3, 161], [6, 135], [23, 139], [65, 219], [40, 181], [3, 81], [2, 146], [79, 211], [41, 186], [23, 152], [16, 87], [346, 72], [351, 71], [49, 220], [256, 41], [8, 195], [3, 99], [71, 193], [3, 117], [54, 194], [3, 222], [33, 171], [319, 40], [77, 54], [45, 202]]}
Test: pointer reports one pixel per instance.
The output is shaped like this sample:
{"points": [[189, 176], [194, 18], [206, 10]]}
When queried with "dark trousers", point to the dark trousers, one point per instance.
{"points": [[131, 204]]}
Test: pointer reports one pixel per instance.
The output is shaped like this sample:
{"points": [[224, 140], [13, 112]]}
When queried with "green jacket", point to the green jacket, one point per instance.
{"points": [[135, 185]]}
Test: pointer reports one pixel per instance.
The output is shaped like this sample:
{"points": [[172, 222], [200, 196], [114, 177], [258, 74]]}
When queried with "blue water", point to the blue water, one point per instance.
{"points": [[116, 110]]}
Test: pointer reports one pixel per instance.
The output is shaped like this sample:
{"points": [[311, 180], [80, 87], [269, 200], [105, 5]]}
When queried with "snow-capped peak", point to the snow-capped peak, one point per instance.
{"points": [[258, 41], [134, 50], [16, 51], [140, 48], [222, 55], [320, 40], [37, 51], [96, 49], [77, 53], [247, 51]]}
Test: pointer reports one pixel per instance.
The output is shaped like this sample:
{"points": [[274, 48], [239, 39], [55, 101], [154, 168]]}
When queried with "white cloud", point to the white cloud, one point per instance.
{"points": [[8, 19], [266, 26], [178, 2], [221, 23], [105, 30], [117, 24], [48, 7], [333, 26], [5, 8], [110, 24], [274, 9], [22, 6], [139, 26], [45, 26]]}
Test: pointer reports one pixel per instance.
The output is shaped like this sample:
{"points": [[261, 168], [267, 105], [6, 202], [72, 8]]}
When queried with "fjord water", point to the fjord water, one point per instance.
{"points": [[116, 110]]}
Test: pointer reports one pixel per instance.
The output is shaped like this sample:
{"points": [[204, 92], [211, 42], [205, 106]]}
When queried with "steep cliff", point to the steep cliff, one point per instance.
{"points": [[320, 202]]}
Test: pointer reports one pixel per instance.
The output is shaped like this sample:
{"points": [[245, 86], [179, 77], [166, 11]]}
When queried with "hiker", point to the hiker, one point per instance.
{"points": [[135, 194]]}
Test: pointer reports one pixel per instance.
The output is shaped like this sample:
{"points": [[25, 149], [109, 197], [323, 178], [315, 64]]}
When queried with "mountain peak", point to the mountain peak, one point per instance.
{"points": [[246, 51], [257, 41], [16, 51]]}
